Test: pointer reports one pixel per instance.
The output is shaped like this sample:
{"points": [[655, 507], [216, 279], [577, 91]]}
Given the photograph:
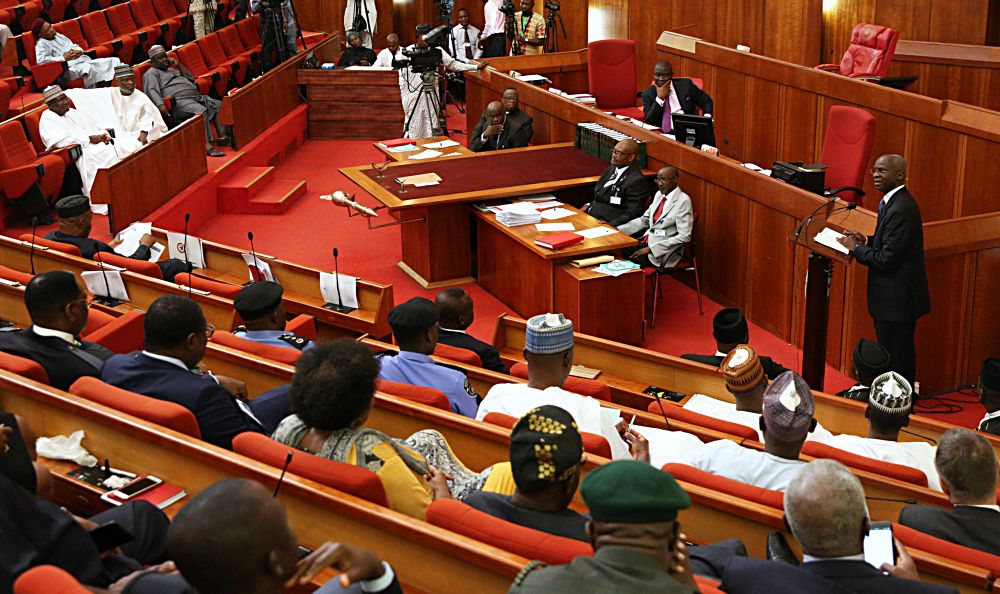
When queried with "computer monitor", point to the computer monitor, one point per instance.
{"points": [[693, 130]]}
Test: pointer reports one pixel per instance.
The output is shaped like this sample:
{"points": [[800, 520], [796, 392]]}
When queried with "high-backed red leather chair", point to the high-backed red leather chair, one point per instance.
{"points": [[592, 442], [249, 31], [456, 354], [23, 170], [145, 16], [870, 52], [577, 385], [168, 414], [611, 70], [847, 148], [215, 56], [231, 42], [419, 394], [679, 413], [42, 75], [47, 579], [71, 28], [205, 77], [98, 32], [23, 367], [121, 22]]}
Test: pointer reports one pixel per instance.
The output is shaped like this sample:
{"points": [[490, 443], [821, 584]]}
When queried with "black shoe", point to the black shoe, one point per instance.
{"points": [[45, 219], [778, 549]]}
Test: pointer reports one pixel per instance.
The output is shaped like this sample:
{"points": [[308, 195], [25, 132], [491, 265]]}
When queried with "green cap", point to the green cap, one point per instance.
{"points": [[633, 492]]}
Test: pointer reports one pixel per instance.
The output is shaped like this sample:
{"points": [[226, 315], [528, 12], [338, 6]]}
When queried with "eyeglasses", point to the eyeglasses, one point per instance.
{"points": [[620, 153], [666, 179]]}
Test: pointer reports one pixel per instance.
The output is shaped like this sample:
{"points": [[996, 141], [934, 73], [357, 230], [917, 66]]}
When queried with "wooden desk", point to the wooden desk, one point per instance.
{"points": [[436, 249], [533, 280], [353, 103], [420, 142]]}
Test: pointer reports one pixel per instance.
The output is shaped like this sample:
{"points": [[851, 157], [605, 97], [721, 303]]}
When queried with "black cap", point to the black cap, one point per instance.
{"points": [[870, 358], [545, 447], [989, 374], [72, 206], [257, 300], [415, 315], [729, 326]]}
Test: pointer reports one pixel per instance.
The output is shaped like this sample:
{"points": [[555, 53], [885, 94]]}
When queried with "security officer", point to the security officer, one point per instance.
{"points": [[630, 502], [263, 313], [989, 395]]}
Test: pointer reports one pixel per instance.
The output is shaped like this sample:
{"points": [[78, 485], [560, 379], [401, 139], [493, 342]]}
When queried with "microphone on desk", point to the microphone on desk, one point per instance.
{"points": [[255, 277], [109, 301], [339, 306], [187, 263], [31, 250], [736, 154], [805, 222], [659, 402], [909, 501], [284, 469], [341, 198]]}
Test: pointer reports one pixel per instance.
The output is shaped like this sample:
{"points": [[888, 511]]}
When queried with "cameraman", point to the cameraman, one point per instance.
{"points": [[529, 31], [493, 40], [275, 47]]}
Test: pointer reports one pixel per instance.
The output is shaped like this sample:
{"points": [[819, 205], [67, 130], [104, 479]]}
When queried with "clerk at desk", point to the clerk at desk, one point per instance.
{"points": [[621, 193]]}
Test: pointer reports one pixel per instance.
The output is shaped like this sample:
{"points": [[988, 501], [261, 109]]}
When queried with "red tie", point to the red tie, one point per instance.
{"points": [[656, 217]]}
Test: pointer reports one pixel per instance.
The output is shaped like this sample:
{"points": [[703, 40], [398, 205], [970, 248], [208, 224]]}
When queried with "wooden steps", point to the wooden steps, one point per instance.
{"points": [[254, 190]]}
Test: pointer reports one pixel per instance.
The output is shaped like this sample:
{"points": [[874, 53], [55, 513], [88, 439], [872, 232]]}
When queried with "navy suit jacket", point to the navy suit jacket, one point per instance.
{"points": [[973, 527], [219, 417], [744, 575], [488, 353], [688, 94]]}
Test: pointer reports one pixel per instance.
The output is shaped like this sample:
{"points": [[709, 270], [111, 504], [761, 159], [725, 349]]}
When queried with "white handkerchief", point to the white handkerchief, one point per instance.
{"points": [[555, 227]]}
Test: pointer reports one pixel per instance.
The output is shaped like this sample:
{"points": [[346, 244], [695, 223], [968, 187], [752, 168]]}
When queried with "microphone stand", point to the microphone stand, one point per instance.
{"points": [[255, 275], [187, 262], [31, 250], [339, 307], [108, 301]]}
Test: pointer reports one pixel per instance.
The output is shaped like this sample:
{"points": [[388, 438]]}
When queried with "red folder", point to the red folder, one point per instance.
{"points": [[161, 496], [555, 241], [396, 142]]}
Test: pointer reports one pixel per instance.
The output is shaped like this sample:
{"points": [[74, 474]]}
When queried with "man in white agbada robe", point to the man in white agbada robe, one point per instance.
{"points": [[129, 112], [56, 47], [357, 11], [62, 126], [420, 110]]}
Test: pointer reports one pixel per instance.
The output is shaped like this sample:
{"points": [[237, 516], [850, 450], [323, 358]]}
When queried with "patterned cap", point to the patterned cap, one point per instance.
{"points": [[545, 448], [989, 374], [632, 492], [51, 92], [891, 395], [156, 50], [548, 333], [788, 408], [124, 71], [742, 369], [870, 358]]}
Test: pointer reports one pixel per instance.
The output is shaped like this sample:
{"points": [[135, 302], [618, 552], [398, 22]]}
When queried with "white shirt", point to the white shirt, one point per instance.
{"points": [[809, 558], [614, 178], [885, 199], [55, 334], [915, 454], [989, 416], [728, 459], [385, 57], [496, 21], [458, 34], [726, 411]]}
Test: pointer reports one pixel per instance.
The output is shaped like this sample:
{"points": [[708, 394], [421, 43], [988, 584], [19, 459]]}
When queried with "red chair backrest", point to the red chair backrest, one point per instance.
{"points": [[274, 353], [871, 50], [191, 57], [71, 28], [96, 319], [168, 414], [123, 334], [456, 516], [847, 147], [144, 267], [949, 550], [249, 31], [679, 413], [577, 385], [23, 367], [139, 71], [95, 28], [231, 41], [15, 150], [351, 479], [31, 120], [421, 394], [165, 9], [592, 443], [143, 13], [459, 355], [690, 474], [611, 70], [120, 19], [47, 579], [211, 50], [897, 471], [203, 284], [66, 248], [15, 275]]}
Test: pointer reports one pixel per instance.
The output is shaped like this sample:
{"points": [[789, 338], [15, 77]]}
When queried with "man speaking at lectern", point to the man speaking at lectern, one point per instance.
{"points": [[897, 279]]}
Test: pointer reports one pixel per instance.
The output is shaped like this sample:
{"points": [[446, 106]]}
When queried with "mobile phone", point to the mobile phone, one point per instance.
{"points": [[109, 536], [139, 485], [879, 545], [302, 552]]}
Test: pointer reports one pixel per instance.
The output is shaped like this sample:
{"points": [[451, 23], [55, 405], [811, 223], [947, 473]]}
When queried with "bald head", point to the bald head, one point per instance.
{"points": [[825, 507], [889, 172], [455, 308], [625, 153], [233, 537], [495, 112]]}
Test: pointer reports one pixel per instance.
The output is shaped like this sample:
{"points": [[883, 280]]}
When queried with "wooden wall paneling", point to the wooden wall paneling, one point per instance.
{"points": [[770, 267], [981, 178], [607, 19], [724, 222], [794, 30], [963, 22], [984, 333], [732, 89], [762, 114], [801, 127], [328, 15], [911, 18], [935, 193], [939, 338]]}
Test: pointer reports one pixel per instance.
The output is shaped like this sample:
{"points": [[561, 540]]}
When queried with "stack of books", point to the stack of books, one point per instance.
{"points": [[597, 140], [518, 213]]}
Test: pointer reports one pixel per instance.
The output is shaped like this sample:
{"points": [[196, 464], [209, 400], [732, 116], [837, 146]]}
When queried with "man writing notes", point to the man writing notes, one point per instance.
{"points": [[529, 31], [465, 38], [60, 126], [621, 192], [668, 95], [665, 227], [51, 46], [897, 281]]}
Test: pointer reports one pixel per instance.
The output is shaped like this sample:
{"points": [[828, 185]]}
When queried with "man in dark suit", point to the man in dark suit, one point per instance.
{"points": [[168, 369], [967, 468], [622, 191], [989, 395], [868, 361], [506, 127], [897, 281], [730, 329], [826, 511], [456, 312], [681, 95], [58, 309]]}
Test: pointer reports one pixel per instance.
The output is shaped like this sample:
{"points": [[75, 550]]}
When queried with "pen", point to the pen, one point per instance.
{"points": [[630, 424], [122, 472]]}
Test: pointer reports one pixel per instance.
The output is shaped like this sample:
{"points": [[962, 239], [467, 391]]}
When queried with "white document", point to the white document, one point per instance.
{"points": [[100, 209], [752, 167], [441, 144], [262, 267], [403, 148], [597, 232], [613, 415], [547, 204], [192, 248], [546, 227], [427, 154], [829, 237], [519, 208], [131, 236], [348, 286], [370, 68], [531, 78], [540, 199], [556, 213], [102, 282]]}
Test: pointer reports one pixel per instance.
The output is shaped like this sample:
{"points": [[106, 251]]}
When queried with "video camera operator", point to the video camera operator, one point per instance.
{"points": [[278, 31], [493, 39], [529, 31]]}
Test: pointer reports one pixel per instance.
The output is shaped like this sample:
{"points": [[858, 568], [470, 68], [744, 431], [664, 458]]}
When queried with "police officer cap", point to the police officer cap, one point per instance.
{"points": [[418, 313], [256, 300], [989, 374], [729, 326], [72, 206], [870, 358], [545, 448], [633, 492]]}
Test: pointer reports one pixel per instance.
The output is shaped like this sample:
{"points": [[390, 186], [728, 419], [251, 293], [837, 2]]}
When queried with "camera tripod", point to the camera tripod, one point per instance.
{"points": [[272, 28], [552, 19], [428, 93]]}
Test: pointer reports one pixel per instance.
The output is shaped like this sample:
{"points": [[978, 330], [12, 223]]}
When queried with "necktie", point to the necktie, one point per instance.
{"points": [[656, 217], [881, 208], [468, 43]]}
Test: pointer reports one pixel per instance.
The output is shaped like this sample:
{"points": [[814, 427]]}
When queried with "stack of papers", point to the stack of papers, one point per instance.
{"points": [[420, 180], [829, 237], [131, 238], [403, 148], [518, 213], [617, 268]]}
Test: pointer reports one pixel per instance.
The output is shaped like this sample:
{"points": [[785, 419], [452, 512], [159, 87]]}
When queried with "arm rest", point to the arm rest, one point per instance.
{"points": [[123, 335], [92, 53], [304, 325], [117, 45], [168, 102], [834, 191], [15, 182], [47, 73], [143, 36]]}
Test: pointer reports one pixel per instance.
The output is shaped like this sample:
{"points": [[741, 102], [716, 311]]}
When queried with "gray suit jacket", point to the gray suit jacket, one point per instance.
{"points": [[669, 233]]}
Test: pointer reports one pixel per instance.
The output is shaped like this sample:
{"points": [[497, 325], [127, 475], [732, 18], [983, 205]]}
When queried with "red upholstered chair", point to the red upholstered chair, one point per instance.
{"points": [[459, 355], [26, 11], [216, 57], [42, 75], [870, 52], [23, 367], [98, 32], [274, 353], [58, 246], [123, 334], [687, 262], [47, 579], [205, 77], [611, 70], [231, 42], [679, 413], [456, 516], [203, 284], [847, 147], [145, 16], [592, 443], [143, 267], [168, 414], [577, 385], [96, 319], [15, 275], [68, 154], [23, 170], [303, 324], [56, 10], [122, 23], [353, 480], [690, 474], [419, 394], [897, 471], [914, 539], [249, 31], [74, 31]]}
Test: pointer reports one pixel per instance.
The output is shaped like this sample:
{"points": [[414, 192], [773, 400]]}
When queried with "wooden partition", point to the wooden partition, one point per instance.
{"points": [[746, 218], [256, 106], [966, 73]]}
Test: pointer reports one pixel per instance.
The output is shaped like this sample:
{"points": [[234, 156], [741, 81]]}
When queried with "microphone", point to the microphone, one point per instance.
{"points": [[805, 222], [341, 198], [254, 254], [31, 250], [736, 153], [433, 32], [284, 469], [108, 301], [909, 501], [339, 306], [659, 402], [924, 437], [187, 263]]}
